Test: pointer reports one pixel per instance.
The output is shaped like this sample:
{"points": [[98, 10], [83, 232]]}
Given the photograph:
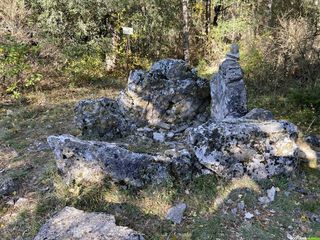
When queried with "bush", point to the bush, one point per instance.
{"points": [[309, 98], [18, 68]]}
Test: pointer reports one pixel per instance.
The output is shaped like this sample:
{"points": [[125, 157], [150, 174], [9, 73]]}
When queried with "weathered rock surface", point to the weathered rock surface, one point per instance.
{"points": [[175, 214], [101, 118], [169, 93], [228, 92], [89, 161], [236, 147], [71, 223], [259, 114], [7, 186]]}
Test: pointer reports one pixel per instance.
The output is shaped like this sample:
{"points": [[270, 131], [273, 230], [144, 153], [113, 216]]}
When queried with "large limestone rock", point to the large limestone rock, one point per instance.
{"points": [[169, 93], [101, 118], [235, 147], [73, 224], [89, 161], [228, 92]]}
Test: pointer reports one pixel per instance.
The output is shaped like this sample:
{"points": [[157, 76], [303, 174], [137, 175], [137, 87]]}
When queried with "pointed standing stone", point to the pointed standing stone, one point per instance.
{"points": [[228, 92]]}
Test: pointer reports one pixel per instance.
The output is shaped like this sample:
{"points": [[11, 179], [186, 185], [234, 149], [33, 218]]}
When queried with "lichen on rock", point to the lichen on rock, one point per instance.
{"points": [[228, 92], [236, 147]]}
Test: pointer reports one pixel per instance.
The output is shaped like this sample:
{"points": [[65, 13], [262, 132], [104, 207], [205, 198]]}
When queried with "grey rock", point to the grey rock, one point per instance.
{"points": [[89, 161], [271, 193], [248, 216], [169, 93], [313, 217], [241, 205], [181, 128], [163, 125], [71, 223], [228, 92], [170, 134], [159, 137], [234, 211], [234, 52], [7, 186], [237, 147], [38, 146], [259, 114], [313, 140], [102, 118], [175, 213], [264, 200]]}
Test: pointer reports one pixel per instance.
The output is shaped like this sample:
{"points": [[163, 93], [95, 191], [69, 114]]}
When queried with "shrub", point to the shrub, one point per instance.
{"points": [[18, 68]]}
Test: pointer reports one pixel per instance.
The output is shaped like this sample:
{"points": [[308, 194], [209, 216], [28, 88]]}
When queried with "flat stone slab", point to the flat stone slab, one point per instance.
{"points": [[91, 161], [73, 224]]}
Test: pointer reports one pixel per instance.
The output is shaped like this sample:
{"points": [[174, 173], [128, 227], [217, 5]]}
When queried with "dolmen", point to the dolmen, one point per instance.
{"points": [[168, 125]]}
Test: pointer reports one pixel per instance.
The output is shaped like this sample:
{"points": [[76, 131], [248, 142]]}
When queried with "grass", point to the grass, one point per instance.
{"points": [[209, 199]]}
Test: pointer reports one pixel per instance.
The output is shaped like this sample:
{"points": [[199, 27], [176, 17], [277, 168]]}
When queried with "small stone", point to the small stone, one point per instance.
{"points": [[21, 202], [7, 186], [10, 202], [145, 129], [241, 205], [9, 112], [234, 211], [264, 200], [159, 137], [256, 212], [271, 194], [170, 134], [229, 201], [175, 213], [248, 215], [290, 237], [163, 125]]}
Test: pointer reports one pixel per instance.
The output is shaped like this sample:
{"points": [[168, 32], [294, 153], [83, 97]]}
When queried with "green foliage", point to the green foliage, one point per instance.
{"points": [[17, 68], [308, 97]]}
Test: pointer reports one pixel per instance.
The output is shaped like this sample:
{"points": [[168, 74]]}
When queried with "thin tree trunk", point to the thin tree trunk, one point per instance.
{"points": [[208, 15], [272, 15], [186, 45]]}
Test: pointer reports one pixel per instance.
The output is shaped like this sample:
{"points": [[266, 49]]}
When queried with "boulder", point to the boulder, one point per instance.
{"points": [[71, 223], [235, 147], [101, 118], [228, 92], [90, 161], [169, 93]]}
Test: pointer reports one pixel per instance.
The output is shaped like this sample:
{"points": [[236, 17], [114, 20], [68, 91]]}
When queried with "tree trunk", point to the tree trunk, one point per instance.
{"points": [[208, 15], [272, 15], [185, 14]]}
